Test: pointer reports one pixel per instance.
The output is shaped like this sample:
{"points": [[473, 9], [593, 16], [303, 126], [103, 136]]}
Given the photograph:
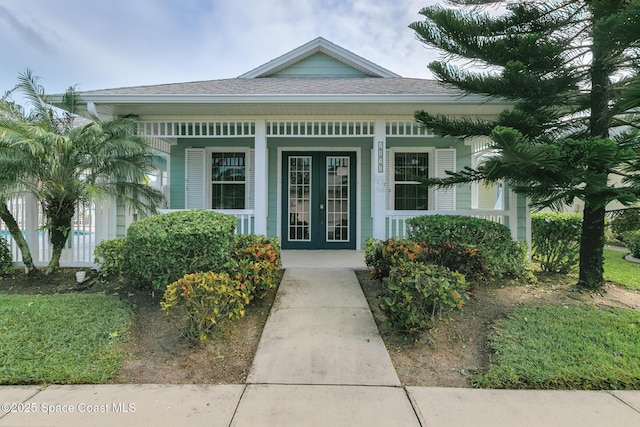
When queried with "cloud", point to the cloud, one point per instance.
{"points": [[126, 43], [377, 30], [22, 33]]}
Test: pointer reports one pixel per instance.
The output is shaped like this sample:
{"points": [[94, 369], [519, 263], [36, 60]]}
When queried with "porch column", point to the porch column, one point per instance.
{"points": [[261, 178], [378, 192], [513, 214]]}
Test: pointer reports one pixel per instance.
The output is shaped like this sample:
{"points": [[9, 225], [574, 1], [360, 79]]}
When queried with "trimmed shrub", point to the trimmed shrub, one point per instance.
{"points": [[625, 221], [255, 262], [504, 256], [161, 249], [6, 260], [198, 302], [468, 261], [632, 238], [383, 255], [415, 293], [109, 255], [555, 238]]}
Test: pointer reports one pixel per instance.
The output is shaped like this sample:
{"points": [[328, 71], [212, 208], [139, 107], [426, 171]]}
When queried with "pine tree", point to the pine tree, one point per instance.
{"points": [[569, 70]]}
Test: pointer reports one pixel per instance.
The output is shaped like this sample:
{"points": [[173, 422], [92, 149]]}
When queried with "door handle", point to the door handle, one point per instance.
{"points": [[321, 206]]}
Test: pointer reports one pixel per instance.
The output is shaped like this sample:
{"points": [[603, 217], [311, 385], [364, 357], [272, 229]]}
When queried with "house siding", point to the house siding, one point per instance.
{"points": [[317, 65]]}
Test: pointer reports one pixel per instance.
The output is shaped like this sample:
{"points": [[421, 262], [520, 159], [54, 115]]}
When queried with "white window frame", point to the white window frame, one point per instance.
{"points": [[209, 151], [430, 151]]}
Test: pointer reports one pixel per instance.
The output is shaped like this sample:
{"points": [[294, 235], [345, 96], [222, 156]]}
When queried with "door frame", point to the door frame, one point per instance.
{"points": [[281, 151]]}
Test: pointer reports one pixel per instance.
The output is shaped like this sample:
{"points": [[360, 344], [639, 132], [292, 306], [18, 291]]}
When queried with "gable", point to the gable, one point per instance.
{"points": [[330, 53], [319, 65]]}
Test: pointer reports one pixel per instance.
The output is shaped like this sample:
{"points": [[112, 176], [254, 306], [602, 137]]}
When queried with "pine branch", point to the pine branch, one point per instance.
{"points": [[454, 127]]}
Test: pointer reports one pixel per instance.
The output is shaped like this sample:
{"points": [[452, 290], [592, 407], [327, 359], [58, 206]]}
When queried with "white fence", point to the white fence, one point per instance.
{"points": [[82, 241], [84, 236]]}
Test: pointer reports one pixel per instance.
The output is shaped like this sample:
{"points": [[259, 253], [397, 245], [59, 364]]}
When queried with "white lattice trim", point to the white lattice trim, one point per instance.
{"points": [[407, 129], [199, 129], [320, 128]]}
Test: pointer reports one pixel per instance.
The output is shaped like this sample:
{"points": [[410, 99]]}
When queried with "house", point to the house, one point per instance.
{"points": [[318, 146]]}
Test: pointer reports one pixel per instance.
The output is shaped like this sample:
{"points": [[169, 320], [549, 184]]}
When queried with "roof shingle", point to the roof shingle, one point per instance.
{"points": [[290, 86]]}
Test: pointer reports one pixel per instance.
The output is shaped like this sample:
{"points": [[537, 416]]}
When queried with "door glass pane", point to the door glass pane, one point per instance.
{"points": [[337, 209], [299, 172]]}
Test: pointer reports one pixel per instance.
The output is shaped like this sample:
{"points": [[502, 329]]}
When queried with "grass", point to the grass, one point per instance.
{"points": [[621, 271], [565, 348], [61, 339]]}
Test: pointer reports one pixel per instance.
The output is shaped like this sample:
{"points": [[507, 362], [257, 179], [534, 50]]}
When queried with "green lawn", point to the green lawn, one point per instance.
{"points": [[62, 339], [565, 348], [620, 271]]}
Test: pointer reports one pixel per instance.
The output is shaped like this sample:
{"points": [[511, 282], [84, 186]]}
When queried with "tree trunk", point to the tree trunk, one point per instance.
{"points": [[592, 238], [592, 247], [18, 237], [59, 229]]}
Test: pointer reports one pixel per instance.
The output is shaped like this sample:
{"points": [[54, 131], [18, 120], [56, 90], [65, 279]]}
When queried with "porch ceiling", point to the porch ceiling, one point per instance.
{"points": [[147, 110]]}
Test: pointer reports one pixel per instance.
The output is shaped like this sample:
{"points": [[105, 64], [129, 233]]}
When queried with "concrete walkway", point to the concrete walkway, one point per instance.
{"points": [[320, 331], [320, 362]]}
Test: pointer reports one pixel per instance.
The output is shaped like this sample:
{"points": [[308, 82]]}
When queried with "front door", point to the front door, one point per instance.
{"points": [[318, 203]]}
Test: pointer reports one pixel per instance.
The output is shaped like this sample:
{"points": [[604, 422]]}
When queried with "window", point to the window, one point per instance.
{"points": [[228, 180], [408, 193]]}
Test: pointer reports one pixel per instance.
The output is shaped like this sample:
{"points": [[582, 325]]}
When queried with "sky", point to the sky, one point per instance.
{"points": [[100, 44]]}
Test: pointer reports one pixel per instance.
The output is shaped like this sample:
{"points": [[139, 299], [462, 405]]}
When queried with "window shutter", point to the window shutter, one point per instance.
{"points": [[445, 160], [194, 197], [251, 179]]}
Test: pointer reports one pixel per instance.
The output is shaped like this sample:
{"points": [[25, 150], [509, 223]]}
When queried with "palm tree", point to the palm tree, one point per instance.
{"points": [[63, 164], [13, 128]]}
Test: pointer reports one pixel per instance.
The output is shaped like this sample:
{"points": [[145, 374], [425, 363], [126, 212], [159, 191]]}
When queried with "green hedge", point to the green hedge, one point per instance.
{"points": [[253, 260], [555, 239], [624, 222], [632, 239], [162, 249], [109, 255], [504, 256]]}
